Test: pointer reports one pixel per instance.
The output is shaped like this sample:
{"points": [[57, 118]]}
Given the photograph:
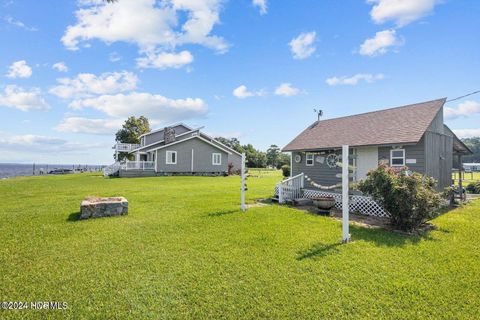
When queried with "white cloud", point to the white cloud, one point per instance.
{"points": [[165, 60], [43, 144], [89, 126], [153, 26], [286, 90], [19, 69], [303, 46], [467, 133], [402, 12], [153, 106], [242, 92], [17, 23], [355, 79], [60, 67], [22, 99], [464, 109], [88, 84], [261, 4], [381, 43]]}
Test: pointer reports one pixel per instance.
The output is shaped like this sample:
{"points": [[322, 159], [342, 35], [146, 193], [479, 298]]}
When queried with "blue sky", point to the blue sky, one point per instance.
{"points": [[72, 71]]}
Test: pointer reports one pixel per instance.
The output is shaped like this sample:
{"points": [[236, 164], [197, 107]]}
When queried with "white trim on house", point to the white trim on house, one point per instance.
{"points": [[169, 157], [160, 141], [171, 126], [216, 141], [214, 159], [307, 159], [193, 137], [156, 160], [397, 157]]}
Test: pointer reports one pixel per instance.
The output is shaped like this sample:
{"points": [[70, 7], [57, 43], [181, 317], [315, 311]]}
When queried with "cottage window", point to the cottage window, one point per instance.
{"points": [[171, 157], [397, 157], [309, 159], [216, 159]]}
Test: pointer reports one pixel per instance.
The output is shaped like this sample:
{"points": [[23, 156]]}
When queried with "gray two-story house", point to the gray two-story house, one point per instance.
{"points": [[177, 150], [412, 136]]}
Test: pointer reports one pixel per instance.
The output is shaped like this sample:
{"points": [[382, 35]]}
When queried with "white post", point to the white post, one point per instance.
{"points": [[242, 189], [116, 152], [280, 193], [345, 219]]}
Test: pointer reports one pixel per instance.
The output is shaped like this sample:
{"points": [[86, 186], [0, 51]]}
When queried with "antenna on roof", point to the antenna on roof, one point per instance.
{"points": [[319, 113]]}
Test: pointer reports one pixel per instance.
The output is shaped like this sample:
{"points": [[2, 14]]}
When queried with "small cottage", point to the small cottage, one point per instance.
{"points": [[412, 136]]}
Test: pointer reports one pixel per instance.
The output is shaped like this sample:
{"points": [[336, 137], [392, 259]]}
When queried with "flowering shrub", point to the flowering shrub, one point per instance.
{"points": [[410, 198]]}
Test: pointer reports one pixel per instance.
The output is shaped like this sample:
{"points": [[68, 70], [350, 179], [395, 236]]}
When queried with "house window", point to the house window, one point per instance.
{"points": [[171, 157], [309, 159], [397, 157], [216, 159]]}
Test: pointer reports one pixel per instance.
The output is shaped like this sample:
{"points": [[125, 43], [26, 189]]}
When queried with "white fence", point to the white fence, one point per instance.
{"points": [[126, 147], [139, 165], [290, 188], [361, 204], [111, 169]]}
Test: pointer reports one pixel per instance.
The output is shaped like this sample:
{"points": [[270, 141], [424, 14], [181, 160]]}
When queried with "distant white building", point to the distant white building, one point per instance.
{"points": [[473, 166]]}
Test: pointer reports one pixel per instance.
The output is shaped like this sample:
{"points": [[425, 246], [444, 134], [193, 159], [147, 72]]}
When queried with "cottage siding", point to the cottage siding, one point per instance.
{"points": [[437, 124], [202, 158], [438, 153], [320, 173], [416, 152]]}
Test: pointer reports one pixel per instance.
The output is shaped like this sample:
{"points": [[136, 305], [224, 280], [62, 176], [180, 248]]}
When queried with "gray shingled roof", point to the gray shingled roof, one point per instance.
{"points": [[405, 124]]}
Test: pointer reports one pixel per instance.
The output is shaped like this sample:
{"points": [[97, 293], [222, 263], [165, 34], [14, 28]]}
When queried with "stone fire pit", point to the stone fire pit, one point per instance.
{"points": [[95, 207]]}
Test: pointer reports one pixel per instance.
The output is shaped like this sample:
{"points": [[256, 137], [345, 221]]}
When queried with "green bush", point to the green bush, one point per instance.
{"points": [[286, 170], [473, 187], [410, 198]]}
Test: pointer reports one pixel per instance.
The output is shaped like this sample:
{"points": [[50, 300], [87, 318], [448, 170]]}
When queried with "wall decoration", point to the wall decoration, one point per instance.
{"points": [[332, 160], [320, 159], [410, 161], [298, 158]]}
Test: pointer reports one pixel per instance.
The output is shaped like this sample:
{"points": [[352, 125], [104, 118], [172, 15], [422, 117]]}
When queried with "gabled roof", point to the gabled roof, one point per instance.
{"points": [[405, 124], [190, 138], [173, 125]]}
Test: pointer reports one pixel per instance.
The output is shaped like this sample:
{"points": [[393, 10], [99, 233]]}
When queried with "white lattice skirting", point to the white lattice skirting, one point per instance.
{"points": [[361, 204]]}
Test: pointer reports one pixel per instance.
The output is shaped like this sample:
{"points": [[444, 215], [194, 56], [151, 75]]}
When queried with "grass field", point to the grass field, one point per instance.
{"points": [[186, 252], [468, 177]]}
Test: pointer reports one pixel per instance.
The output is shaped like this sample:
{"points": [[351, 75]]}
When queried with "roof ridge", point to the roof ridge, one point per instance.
{"points": [[381, 110]]}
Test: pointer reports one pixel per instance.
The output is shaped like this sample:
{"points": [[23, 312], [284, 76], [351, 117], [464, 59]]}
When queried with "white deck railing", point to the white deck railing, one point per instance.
{"points": [[291, 188], [139, 165], [111, 169], [126, 147]]}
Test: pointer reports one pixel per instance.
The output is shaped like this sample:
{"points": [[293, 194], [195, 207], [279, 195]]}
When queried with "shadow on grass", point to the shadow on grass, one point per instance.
{"points": [[379, 237], [221, 213], [74, 216], [318, 250]]}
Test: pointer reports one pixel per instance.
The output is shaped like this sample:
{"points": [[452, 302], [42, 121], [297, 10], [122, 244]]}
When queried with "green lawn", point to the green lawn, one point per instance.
{"points": [[186, 252], [468, 177]]}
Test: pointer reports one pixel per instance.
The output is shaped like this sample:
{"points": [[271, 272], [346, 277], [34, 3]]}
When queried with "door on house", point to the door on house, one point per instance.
{"points": [[367, 159]]}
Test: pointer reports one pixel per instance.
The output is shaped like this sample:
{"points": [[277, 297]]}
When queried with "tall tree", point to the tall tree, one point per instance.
{"points": [[273, 154], [132, 129], [233, 143], [474, 145]]}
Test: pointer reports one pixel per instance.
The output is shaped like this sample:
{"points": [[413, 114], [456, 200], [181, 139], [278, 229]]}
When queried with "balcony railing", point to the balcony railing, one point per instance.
{"points": [[125, 147], [139, 165]]}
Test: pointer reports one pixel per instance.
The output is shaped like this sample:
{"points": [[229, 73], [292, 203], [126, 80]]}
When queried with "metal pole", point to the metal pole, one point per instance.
{"points": [[242, 189], [345, 218]]}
